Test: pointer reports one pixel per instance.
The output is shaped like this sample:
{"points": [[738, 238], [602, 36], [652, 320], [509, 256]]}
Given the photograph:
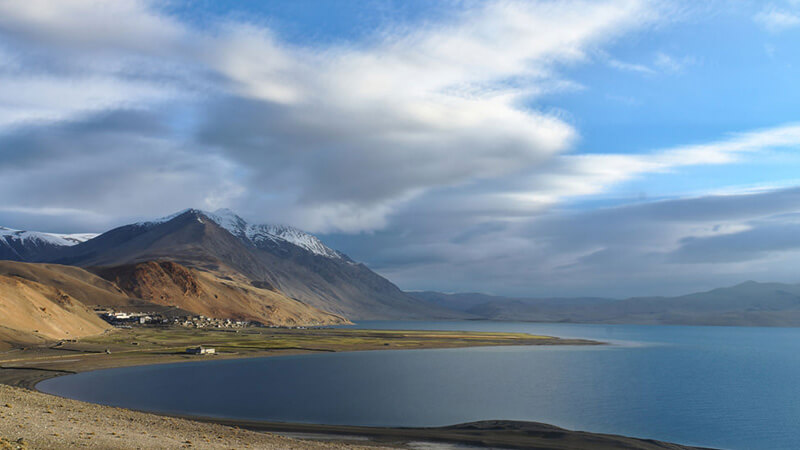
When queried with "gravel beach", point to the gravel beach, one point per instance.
{"points": [[47, 422]]}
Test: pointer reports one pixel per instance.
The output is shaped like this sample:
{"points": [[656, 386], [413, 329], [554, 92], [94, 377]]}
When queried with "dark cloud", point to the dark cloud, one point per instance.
{"points": [[102, 169], [29, 145], [763, 239], [662, 247]]}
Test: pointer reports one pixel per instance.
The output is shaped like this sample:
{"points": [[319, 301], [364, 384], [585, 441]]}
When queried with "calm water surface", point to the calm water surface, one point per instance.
{"points": [[735, 388]]}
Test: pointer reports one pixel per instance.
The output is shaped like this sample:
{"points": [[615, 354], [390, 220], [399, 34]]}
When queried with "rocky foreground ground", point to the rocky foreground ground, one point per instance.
{"points": [[31, 420]]}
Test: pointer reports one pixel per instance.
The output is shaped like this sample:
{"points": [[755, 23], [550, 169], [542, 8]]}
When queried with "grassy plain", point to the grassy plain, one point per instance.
{"points": [[153, 345]]}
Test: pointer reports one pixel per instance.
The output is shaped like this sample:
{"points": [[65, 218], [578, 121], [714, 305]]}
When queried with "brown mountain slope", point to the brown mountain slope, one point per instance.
{"points": [[212, 294], [10, 338], [84, 286], [30, 310]]}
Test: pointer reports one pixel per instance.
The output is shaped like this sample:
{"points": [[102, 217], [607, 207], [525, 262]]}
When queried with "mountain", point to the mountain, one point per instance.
{"points": [[746, 304], [202, 292], [18, 245], [271, 257], [41, 302]]}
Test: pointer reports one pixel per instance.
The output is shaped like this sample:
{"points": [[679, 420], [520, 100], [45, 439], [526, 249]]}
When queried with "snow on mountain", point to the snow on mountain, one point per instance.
{"points": [[166, 219], [258, 233], [230, 221], [9, 235]]}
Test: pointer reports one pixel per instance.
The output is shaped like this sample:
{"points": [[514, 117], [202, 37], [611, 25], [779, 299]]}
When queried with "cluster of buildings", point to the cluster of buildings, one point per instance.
{"points": [[209, 322], [126, 319]]}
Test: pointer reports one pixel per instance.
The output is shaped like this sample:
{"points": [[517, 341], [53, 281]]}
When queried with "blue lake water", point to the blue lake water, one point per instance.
{"points": [[725, 387]]}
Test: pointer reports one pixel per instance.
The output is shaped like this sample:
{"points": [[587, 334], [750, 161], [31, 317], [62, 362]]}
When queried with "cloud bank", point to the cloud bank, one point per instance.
{"points": [[335, 138]]}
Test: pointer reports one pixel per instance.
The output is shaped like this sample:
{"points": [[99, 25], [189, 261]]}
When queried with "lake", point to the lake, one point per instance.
{"points": [[726, 387]]}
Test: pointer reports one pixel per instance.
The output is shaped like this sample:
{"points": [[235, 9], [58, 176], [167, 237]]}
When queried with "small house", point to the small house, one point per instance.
{"points": [[200, 350]]}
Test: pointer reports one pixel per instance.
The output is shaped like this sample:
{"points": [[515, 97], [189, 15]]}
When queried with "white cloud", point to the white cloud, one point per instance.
{"points": [[630, 67], [338, 136], [341, 138], [569, 176], [776, 19], [92, 25], [51, 99], [369, 127], [661, 64], [672, 64]]}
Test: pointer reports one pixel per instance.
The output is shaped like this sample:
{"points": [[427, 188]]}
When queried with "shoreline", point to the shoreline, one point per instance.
{"points": [[512, 434], [37, 420], [26, 368]]}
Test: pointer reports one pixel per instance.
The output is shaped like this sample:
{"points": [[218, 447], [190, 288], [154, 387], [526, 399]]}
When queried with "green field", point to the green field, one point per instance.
{"points": [[262, 339], [153, 345]]}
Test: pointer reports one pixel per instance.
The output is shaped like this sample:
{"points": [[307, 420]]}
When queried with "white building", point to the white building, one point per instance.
{"points": [[200, 350]]}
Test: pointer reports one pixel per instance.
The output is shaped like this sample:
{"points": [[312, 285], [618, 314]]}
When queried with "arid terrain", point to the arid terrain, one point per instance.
{"points": [[43, 421]]}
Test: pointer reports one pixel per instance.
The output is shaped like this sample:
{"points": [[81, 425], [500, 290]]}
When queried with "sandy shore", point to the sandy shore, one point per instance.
{"points": [[48, 422]]}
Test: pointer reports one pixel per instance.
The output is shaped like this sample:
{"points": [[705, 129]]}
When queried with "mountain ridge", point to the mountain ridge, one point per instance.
{"points": [[254, 233], [286, 259], [21, 245]]}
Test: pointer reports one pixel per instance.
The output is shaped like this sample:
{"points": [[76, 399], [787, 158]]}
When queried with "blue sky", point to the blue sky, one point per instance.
{"points": [[516, 147]]}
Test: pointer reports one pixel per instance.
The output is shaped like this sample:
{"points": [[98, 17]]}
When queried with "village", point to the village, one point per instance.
{"points": [[129, 319]]}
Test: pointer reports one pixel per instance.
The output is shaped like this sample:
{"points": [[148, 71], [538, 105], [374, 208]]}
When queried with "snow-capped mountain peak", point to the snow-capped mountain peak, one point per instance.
{"points": [[230, 221], [259, 233], [9, 235]]}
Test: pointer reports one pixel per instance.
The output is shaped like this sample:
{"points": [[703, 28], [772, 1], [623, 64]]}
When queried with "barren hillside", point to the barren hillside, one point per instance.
{"points": [[212, 294], [32, 310]]}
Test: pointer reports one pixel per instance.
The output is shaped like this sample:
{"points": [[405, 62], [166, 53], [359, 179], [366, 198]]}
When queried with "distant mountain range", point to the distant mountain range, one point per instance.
{"points": [[746, 304]]}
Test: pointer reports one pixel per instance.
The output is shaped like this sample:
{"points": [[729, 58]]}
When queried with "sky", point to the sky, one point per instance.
{"points": [[526, 148]]}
